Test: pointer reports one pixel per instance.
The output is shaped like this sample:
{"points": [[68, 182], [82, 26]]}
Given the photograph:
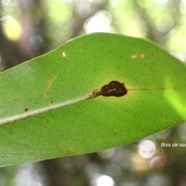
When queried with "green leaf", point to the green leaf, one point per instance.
{"points": [[49, 105]]}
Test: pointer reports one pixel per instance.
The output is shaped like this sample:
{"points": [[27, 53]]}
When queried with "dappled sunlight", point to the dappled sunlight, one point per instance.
{"points": [[100, 22], [147, 149], [183, 6], [161, 1], [107, 154], [11, 28], [27, 176], [158, 162], [9, 2], [103, 180], [158, 179], [139, 165]]}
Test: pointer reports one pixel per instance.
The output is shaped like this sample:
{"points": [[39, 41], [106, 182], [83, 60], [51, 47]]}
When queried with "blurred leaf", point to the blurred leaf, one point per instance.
{"points": [[46, 110]]}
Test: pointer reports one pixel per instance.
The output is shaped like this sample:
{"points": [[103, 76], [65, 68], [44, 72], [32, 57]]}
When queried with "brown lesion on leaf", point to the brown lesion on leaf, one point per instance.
{"points": [[135, 56], [114, 88], [49, 85], [94, 94], [51, 102], [65, 148]]}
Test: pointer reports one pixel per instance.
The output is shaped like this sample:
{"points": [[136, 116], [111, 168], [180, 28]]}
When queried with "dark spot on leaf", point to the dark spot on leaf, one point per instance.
{"points": [[51, 102], [26, 109], [114, 88]]}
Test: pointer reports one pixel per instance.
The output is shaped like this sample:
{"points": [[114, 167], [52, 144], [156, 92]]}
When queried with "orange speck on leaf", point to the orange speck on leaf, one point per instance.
{"points": [[142, 56], [49, 85], [74, 151], [134, 56]]}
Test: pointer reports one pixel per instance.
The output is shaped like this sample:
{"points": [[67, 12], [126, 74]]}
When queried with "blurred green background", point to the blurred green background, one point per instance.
{"points": [[29, 28]]}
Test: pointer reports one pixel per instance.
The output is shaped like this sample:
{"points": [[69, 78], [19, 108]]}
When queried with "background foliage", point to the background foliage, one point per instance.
{"points": [[30, 28]]}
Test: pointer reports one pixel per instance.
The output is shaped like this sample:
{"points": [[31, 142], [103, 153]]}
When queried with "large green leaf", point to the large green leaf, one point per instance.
{"points": [[46, 110]]}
